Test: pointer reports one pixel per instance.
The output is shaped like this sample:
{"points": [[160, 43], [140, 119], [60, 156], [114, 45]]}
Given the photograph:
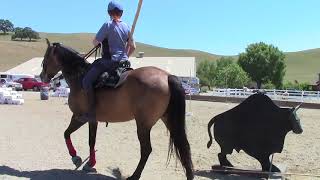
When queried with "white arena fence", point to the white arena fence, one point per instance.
{"points": [[286, 95], [64, 91], [8, 96]]}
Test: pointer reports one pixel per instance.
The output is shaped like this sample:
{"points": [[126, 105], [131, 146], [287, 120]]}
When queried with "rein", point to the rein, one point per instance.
{"points": [[86, 56], [93, 50]]}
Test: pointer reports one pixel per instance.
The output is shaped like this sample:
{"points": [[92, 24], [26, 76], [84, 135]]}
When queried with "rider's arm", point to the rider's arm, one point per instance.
{"points": [[131, 45], [101, 34]]}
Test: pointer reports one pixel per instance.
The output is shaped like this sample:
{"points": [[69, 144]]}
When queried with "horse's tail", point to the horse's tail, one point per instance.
{"points": [[209, 131], [176, 125]]}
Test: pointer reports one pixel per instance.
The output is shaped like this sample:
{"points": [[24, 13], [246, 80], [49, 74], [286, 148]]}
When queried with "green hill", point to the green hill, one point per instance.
{"points": [[301, 66]]}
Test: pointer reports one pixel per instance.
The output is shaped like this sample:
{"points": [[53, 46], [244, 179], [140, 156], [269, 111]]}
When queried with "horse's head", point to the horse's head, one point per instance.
{"points": [[50, 64], [61, 58]]}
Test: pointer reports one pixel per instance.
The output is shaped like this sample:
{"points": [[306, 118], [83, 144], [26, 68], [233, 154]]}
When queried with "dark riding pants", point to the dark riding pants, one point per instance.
{"points": [[97, 68]]}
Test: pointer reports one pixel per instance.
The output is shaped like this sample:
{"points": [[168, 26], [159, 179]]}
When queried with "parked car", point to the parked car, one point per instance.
{"points": [[8, 83], [32, 83]]}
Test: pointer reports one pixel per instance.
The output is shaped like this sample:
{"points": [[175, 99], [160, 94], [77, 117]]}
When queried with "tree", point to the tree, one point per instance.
{"points": [[263, 63], [23, 33], [5, 26], [34, 35], [231, 76], [31, 34], [224, 62], [18, 29], [18, 33], [205, 72]]}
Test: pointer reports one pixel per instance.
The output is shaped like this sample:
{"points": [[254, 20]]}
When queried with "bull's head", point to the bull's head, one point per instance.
{"points": [[295, 120]]}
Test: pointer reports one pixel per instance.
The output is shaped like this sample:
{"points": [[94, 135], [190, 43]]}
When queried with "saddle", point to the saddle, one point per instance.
{"points": [[114, 78]]}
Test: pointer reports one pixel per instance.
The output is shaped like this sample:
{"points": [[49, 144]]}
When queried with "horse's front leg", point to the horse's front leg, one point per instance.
{"points": [[92, 141], [73, 126]]}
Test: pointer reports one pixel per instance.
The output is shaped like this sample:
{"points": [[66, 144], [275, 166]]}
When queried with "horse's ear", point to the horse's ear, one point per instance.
{"points": [[48, 42]]}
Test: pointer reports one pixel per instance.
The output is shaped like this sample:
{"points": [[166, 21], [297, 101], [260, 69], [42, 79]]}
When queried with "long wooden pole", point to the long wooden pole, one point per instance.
{"points": [[136, 17]]}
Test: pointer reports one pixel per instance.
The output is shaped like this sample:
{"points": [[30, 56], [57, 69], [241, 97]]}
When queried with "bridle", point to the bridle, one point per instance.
{"points": [[56, 45], [46, 57], [44, 62]]}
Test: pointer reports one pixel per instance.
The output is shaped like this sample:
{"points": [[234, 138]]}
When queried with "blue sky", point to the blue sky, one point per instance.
{"points": [[223, 27]]}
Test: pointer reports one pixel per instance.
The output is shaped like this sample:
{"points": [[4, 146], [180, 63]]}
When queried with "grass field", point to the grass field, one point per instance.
{"points": [[301, 66]]}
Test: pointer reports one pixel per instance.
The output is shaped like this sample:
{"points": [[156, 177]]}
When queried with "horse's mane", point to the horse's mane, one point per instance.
{"points": [[71, 60]]}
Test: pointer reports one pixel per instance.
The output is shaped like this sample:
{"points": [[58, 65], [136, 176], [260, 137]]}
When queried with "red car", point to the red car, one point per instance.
{"points": [[32, 83]]}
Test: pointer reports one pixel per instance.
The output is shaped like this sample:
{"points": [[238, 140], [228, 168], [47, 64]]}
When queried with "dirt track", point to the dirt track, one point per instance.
{"points": [[32, 145]]}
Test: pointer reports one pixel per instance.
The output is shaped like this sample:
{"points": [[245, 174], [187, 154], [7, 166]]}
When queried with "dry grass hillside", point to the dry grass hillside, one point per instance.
{"points": [[302, 66], [13, 53]]}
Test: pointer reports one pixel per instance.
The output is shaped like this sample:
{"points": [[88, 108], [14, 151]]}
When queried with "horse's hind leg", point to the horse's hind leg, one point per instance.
{"points": [[145, 149], [92, 141], [73, 126]]}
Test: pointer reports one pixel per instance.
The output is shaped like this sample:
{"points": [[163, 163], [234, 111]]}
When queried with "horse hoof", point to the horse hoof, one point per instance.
{"points": [[77, 161], [217, 167], [132, 178], [89, 169]]}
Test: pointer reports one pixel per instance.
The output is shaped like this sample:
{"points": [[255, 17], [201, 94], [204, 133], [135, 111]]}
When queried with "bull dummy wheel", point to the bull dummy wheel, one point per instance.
{"points": [[88, 168], [77, 161]]}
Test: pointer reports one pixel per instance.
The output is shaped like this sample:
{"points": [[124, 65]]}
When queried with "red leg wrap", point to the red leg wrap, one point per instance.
{"points": [[92, 160], [70, 147]]}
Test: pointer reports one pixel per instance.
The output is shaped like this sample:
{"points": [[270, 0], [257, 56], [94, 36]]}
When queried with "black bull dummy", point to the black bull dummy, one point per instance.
{"points": [[257, 126]]}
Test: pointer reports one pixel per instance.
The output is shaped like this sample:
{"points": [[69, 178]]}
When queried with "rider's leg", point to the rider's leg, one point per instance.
{"points": [[92, 75], [88, 83]]}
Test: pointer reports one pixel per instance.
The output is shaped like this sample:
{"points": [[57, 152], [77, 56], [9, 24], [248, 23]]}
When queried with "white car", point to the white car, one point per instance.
{"points": [[12, 84]]}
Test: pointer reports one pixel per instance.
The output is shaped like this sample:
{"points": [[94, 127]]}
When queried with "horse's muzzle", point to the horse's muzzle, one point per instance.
{"points": [[44, 78]]}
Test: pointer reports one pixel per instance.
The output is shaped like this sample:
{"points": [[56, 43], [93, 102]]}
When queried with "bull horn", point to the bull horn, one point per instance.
{"points": [[48, 42], [297, 107]]}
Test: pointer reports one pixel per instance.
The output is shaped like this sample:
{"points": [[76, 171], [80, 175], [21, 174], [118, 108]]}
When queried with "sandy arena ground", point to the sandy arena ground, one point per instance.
{"points": [[32, 145]]}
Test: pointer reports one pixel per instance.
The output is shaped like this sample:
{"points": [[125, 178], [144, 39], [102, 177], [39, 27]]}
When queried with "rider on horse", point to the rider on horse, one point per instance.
{"points": [[121, 46]]}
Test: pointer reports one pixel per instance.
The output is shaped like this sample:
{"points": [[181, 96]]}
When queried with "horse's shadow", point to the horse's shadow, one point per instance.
{"points": [[54, 174]]}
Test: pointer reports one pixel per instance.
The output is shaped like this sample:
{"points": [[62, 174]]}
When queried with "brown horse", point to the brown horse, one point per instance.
{"points": [[147, 95]]}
